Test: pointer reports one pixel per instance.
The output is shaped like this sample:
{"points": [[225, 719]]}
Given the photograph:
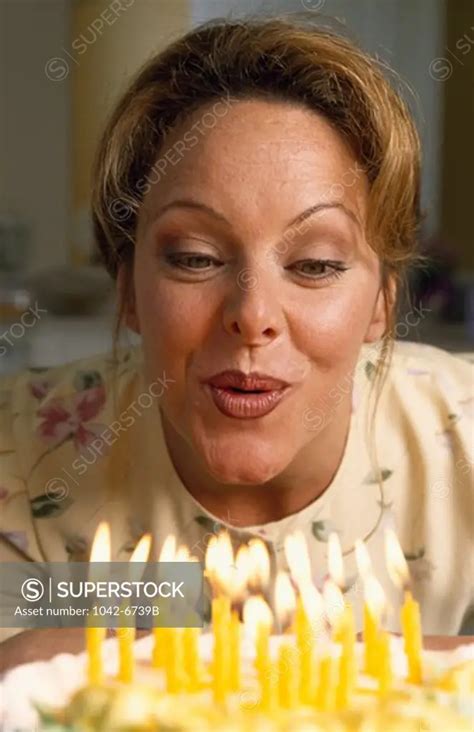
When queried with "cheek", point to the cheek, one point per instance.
{"points": [[174, 319], [332, 327]]}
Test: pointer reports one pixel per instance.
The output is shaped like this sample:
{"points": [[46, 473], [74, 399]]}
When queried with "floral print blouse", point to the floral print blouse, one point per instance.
{"points": [[83, 442]]}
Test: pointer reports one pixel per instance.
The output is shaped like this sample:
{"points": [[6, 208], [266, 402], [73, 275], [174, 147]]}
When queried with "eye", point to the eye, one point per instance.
{"points": [[319, 269], [192, 261]]}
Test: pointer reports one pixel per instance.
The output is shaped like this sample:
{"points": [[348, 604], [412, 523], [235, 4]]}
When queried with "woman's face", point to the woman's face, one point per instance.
{"points": [[251, 257]]}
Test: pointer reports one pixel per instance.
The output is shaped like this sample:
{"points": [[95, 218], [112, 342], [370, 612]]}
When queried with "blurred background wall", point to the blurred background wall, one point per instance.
{"points": [[64, 62]]}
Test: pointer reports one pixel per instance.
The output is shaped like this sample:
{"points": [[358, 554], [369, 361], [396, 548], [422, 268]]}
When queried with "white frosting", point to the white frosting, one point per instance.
{"points": [[52, 682]]}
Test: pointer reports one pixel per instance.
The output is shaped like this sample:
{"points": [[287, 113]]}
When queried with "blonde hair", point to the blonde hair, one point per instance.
{"points": [[294, 61]]}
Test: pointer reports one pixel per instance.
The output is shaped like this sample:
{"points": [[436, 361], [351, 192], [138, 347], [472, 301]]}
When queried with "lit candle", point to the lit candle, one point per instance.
{"points": [[258, 620], [220, 570], [297, 558], [285, 599], [342, 622], [160, 634], [259, 565], [313, 627], [174, 661], [373, 610], [385, 674], [410, 612], [235, 662], [307, 619], [126, 636], [288, 681], [191, 658], [326, 687], [100, 552]]}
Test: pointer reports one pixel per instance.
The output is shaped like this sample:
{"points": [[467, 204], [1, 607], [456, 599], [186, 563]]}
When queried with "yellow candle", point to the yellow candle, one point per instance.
{"points": [[221, 654], [411, 628], [410, 614], [384, 664], [375, 604], [174, 661], [191, 658], [371, 630], [126, 639], [304, 645], [263, 666], [326, 688], [100, 552], [235, 652], [347, 668], [268, 687], [288, 681], [95, 667], [159, 645], [262, 653]]}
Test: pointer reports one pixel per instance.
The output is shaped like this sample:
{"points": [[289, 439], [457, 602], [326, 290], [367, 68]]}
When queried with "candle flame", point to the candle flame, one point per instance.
{"points": [[364, 563], [259, 564], [396, 563], [241, 572], [101, 551], [313, 605], [219, 562], [210, 559], [335, 561], [142, 549], [183, 554], [375, 596], [243, 560], [256, 612], [333, 601], [168, 550], [285, 597], [297, 557]]}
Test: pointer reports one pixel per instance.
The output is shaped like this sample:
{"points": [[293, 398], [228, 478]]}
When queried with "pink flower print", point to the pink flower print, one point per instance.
{"points": [[62, 422], [417, 372], [39, 388], [17, 538]]}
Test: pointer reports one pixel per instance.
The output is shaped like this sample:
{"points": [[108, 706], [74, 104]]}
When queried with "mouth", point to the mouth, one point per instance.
{"points": [[246, 396]]}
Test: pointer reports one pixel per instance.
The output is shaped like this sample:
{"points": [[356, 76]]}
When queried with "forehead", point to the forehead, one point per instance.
{"points": [[267, 157]]}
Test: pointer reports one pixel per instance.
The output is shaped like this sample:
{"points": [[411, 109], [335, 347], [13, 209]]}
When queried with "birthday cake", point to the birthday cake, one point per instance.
{"points": [[247, 672], [443, 702]]}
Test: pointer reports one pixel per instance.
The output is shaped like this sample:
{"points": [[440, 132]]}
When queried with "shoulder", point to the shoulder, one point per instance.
{"points": [[435, 374], [428, 400], [407, 354]]}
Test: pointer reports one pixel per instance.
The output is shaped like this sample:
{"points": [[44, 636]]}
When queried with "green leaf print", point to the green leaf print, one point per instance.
{"points": [[412, 557], [374, 477], [322, 529], [209, 524], [87, 380], [46, 506], [370, 370]]}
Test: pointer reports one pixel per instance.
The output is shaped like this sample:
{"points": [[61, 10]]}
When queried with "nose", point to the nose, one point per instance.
{"points": [[252, 311]]}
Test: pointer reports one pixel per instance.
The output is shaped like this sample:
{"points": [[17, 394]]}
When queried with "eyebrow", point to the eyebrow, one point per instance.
{"points": [[316, 208]]}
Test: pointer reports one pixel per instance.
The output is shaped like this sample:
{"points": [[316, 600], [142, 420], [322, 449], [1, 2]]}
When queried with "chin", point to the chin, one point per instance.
{"points": [[242, 464]]}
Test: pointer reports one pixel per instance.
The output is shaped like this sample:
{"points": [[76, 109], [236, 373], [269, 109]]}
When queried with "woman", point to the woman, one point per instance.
{"points": [[256, 198]]}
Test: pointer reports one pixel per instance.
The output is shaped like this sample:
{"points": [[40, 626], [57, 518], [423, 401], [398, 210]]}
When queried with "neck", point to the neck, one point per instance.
{"points": [[305, 479]]}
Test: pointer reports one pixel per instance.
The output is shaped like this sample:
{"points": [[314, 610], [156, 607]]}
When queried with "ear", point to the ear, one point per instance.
{"points": [[383, 307], [126, 297]]}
